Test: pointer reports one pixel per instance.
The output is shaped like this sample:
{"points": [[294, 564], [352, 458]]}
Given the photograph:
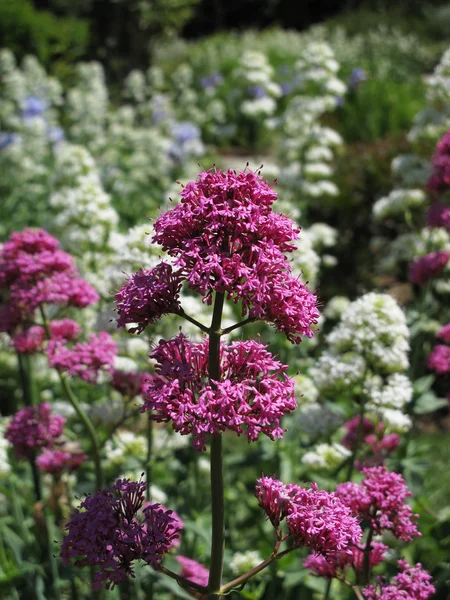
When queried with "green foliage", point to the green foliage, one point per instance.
{"points": [[55, 41]]}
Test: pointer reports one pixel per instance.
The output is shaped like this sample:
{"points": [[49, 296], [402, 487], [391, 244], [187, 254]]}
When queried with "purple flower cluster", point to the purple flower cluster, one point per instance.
{"points": [[129, 384], [375, 447], [225, 238], [315, 518], [147, 296], [438, 215], [250, 399], [428, 267], [328, 566], [35, 272], [412, 583], [32, 339], [440, 178], [380, 500], [57, 461], [85, 359], [105, 531], [32, 429]]}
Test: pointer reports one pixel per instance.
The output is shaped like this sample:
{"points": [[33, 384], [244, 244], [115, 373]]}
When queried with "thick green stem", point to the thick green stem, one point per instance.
{"points": [[217, 486], [36, 480], [328, 589], [148, 461], [366, 561], [90, 429], [25, 382]]}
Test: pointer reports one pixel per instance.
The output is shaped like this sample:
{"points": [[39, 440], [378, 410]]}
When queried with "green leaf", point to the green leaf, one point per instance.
{"points": [[173, 586], [428, 403], [423, 384]]}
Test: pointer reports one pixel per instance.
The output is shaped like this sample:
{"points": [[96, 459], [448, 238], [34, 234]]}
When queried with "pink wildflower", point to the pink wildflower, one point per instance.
{"points": [[147, 296], [225, 238], [412, 583], [315, 518], [106, 532], [85, 360], [64, 329], [29, 341], [380, 500], [438, 215], [328, 566], [129, 384], [428, 267], [250, 399], [57, 461], [439, 360], [193, 571], [375, 446], [440, 179], [444, 334], [32, 429]]}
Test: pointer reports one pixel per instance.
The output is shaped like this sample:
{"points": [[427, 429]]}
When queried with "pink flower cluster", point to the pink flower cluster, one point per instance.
{"points": [[380, 500], [250, 399], [32, 340], [412, 583], [225, 238], [105, 531], [129, 384], [440, 178], [375, 446], [439, 358], [428, 267], [34, 428], [35, 271], [85, 359], [57, 461], [438, 215], [328, 566], [193, 571], [315, 518], [147, 296]]}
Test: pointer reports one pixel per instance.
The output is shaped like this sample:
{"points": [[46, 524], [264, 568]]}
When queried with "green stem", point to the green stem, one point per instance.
{"points": [[181, 313], [36, 480], [359, 438], [24, 380], [366, 560], [217, 485], [90, 429], [148, 462], [328, 589]]}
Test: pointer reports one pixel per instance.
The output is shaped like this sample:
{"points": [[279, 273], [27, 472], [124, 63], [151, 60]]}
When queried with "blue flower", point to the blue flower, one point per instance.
{"points": [[6, 139], [357, 76], [256, 91], [55, 134], [184, 131], [33, 106]]}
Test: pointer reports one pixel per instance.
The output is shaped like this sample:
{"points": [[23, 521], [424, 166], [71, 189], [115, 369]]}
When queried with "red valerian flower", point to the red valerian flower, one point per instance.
{"points": [[439, 359], [250, 399], [328, 566], [428, 267], [106, 531], [57, 461], [412, 583]]}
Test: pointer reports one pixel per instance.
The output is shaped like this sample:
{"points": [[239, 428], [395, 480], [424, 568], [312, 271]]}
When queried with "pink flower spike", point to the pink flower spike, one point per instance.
{"points": [[444, 334], [193, 571], [57, 461], [428, 267], [147, 296], [439, 360], [412, 583]]}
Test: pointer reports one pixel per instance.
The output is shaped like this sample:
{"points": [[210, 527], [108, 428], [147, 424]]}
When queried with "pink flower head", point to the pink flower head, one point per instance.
{"points": [[438, 215], [34, 428], [147, 296], [412, 583], [193, 571], [29, 341], [85, 360], [106, 532], [428, 267], [226, 238], [315, 518], [444, 334], [440, 178], [57, 461], [32, 340], [327, 566], [250, 399], [380, 500], [352, 428], [439, 360], [129, 384], [375, 447]]}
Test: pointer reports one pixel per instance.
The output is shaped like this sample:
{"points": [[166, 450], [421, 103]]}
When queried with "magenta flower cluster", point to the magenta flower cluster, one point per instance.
{"points": [[376, 446], [440, 178], [330, 565], [107, 531], [57, 461], [85, 359], [250, 399], [33, 429], [412, 583], [129, 383], [316, 519], [224, 237], [33, 339], [35, 272], [426, 268], [438, 215], [193, 571], [380, 501], [439, 358]]}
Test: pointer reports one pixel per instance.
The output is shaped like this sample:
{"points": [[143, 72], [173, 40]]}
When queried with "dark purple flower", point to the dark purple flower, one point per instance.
{"points": [[428, 267], [256, 91]]}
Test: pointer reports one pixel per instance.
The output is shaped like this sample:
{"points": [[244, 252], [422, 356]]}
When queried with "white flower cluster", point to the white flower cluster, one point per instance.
{"points": [[5, 466], [326, 456], [336, 307], [315, 419], [411, 170], [398, 203], [254, 75], [241, 562], [124, 445]]}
